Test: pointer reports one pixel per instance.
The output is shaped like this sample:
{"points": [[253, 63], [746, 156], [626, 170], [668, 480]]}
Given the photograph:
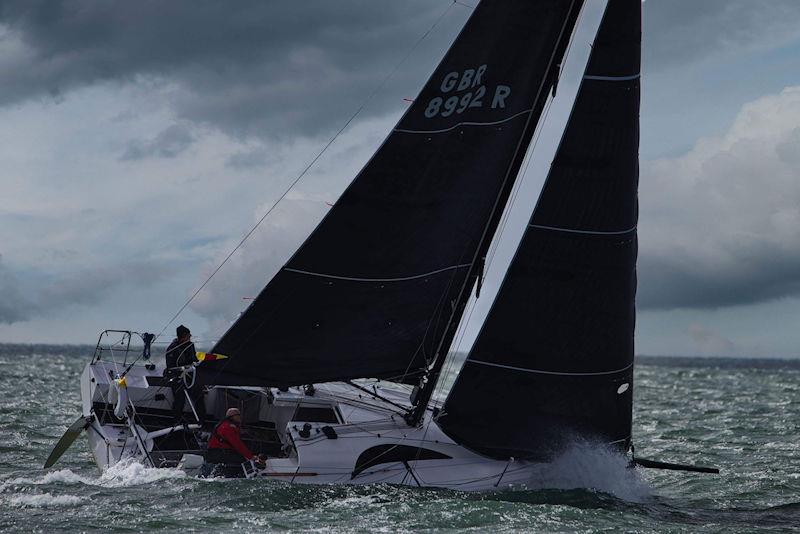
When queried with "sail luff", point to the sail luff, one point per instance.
{"points": [[555, 352]]}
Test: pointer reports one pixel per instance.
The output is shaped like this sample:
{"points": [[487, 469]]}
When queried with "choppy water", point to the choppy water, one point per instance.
{"points": [[742, 416]]}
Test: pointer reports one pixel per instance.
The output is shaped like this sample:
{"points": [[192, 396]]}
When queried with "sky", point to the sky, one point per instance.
{"points": [[140, 141]]}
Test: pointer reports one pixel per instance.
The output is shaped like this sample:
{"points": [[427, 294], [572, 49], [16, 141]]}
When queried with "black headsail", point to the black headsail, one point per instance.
{"points": [[554, 358], [373, 289]]}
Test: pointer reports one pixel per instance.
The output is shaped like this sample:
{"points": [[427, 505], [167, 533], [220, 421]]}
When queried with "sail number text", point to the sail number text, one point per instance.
{"points": [[472, 79]]}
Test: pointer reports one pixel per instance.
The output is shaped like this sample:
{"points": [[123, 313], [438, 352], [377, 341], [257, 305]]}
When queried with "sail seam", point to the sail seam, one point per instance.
{"points": [[560, 373], [575, 231], [465, 124], [612, 78], [399, 279]]}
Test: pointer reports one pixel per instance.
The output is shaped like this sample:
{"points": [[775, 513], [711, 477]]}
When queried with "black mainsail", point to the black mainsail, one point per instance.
{"points": [[379, 284], [555, 354]]}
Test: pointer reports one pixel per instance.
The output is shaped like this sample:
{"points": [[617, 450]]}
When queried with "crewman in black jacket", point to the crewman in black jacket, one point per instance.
{"points": [[181, 352]]}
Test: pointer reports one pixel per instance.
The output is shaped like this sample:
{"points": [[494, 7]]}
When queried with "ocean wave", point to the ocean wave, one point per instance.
{"points": [[63, 476], [132, 473], [44, 500], [123, 474], [789, 506]]}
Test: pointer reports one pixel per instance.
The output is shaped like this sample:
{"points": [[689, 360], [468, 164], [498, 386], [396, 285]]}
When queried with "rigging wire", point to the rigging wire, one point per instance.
{"points": [[311, 164]]}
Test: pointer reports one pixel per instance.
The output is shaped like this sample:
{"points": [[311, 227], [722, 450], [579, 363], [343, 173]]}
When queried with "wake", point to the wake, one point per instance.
{"points": [[591, 466]]}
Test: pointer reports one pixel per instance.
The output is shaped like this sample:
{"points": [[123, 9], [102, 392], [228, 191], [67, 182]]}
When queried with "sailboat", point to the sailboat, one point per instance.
{"points": [[335, 363]]}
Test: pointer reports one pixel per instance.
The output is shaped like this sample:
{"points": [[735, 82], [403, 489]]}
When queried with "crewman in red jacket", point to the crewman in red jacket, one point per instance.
{"points": [[225, 445]]}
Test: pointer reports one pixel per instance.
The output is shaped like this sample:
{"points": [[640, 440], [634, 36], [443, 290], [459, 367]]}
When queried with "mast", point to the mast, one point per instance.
{"points": [[431, 378]]}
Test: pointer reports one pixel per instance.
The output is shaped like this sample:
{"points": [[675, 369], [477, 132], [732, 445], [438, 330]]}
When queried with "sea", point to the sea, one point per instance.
{"points": [[740, 415]]}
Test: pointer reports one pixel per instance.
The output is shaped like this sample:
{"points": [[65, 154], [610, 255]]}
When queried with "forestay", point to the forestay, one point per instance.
{"points": [[370, 292], [554, 359]]}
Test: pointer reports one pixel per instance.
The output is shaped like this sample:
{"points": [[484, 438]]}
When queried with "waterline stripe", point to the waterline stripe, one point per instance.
{"points": [[353, 279], [537, 371], [590, 232], [612, 78], [465, 124]]}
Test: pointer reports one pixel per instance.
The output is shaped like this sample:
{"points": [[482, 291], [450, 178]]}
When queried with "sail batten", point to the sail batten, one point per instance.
{"points": [[462, 124], [598, 78], [580, 231], [565, 311], [395, 279], [352, 302], [543, 372]]}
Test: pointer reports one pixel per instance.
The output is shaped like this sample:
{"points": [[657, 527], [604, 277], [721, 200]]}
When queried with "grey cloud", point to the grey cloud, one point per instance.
{"points": [[247, 160], [167, 144], [720, 225], [250, 67], [14, 306], [49, 294], [89, 286], [710, 342], [679, 31], [789, 150]]}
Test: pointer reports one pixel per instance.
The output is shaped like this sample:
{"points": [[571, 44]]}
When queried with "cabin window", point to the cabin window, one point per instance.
{"points": [[315, 414]]}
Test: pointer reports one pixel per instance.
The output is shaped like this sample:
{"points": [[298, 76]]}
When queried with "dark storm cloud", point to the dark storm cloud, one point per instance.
{"points": [[720, 225], [254, 68], [754, 275], [680, 31], [166, 144], [248, 67]]}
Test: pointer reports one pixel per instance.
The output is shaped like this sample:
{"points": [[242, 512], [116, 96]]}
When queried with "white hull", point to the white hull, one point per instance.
{"points": [[367, 440]]}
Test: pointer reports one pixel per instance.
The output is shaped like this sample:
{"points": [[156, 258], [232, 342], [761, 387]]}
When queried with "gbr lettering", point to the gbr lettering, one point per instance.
{"points": [[469, 80]]}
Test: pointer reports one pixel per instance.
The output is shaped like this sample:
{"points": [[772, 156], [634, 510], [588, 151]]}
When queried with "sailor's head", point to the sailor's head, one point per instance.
{"points": [[183, 333], [234, 414]]}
